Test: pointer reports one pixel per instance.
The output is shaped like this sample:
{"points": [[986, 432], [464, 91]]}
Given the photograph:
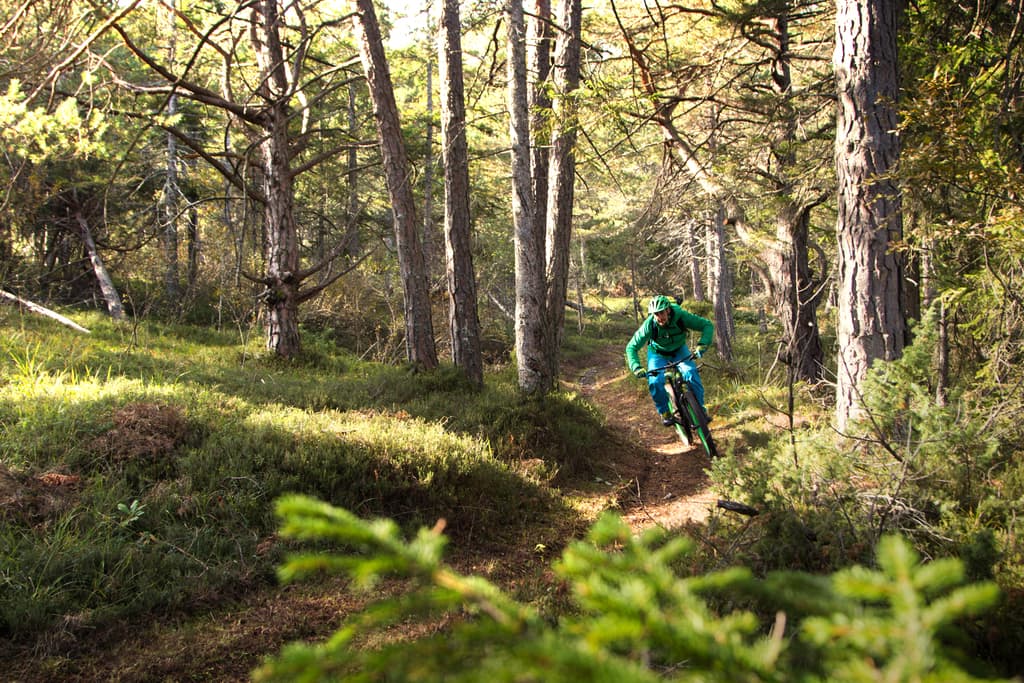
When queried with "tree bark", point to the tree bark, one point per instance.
{"points": [[538, 55], [281, 241], [352, 242], [194, 247], [463, 320], [169, 205], [106, 283], [281, 232], [871, 319], [429, 257], [721, 292], [562, 176], [169, 216], [795, 295], [532, 366], [420, 347]]}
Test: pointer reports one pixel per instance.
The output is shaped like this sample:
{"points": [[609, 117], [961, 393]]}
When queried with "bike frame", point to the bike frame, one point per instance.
{"points": [[686, 420]]}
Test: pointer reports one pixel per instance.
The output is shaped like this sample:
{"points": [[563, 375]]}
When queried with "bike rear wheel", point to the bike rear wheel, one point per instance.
{"points": [[679, 413], [700, 424]]}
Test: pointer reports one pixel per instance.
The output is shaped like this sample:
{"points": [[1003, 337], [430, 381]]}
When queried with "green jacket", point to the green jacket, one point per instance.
{"points": [[668, 339]]}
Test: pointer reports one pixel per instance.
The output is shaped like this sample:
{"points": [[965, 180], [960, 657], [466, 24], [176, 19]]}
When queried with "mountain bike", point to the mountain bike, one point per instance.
{"points": [[688, 416]]}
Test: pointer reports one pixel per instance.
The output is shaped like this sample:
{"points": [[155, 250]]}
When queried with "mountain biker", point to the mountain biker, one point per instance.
{"points": [[664, 332]]}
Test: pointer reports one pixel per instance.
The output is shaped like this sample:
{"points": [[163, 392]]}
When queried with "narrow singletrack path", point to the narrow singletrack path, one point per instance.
{"points": [[661, 481]]}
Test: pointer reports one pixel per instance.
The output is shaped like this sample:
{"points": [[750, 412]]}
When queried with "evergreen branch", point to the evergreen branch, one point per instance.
{"points": [[638, 620]]}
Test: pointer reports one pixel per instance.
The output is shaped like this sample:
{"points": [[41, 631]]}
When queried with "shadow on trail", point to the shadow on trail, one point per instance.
{"points": [[658, 480]]}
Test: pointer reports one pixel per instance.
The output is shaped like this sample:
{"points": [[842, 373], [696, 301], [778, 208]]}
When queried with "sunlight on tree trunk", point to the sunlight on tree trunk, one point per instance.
{"points": [[106, 283], [464, 325], [281, 245], [171, 192], [562, 176], [871, 322], [538, 74], [532, 366], [420, 347]]}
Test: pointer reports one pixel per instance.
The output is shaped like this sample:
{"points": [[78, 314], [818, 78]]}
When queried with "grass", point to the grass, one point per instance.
{"points": [[139, 467]]}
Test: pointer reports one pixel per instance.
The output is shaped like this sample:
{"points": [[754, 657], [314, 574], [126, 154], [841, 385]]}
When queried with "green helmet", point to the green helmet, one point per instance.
{"points": [[658, 303]]}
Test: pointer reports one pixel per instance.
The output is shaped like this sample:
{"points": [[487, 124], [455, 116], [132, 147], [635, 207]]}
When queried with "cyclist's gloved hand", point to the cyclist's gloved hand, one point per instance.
{"points": [[698, 352], [641, 373]]}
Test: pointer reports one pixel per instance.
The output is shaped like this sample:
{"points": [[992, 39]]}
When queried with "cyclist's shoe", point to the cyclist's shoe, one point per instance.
{"points": [[707, 415], [667, 419]]}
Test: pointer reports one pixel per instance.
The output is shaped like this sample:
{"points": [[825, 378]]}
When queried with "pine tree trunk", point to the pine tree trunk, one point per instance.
{"points": [[795, 296], [193, 246], [538, 72], [725, 328], [696, 277], [581, 283], [281, 241], [871, 320], [429, 257], [169, 216], [795, 293], [532, 365], [463, 321], [169, 202], [420, 347], [280, 230], [352, 242], [562, 175], [914, 280]]}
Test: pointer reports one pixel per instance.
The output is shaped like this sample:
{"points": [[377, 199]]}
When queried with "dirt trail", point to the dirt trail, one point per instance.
{"points": [[662, 482]]}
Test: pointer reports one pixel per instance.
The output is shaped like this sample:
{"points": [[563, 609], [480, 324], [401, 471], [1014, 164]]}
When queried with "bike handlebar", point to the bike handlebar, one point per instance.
{"points": [[676, 364]]}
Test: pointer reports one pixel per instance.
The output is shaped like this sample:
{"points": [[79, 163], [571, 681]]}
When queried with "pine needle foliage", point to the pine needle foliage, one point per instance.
{"points": [[635, 618]]}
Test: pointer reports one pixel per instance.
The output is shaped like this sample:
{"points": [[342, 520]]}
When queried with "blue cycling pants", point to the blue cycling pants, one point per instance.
{"points": [[656, 383]]}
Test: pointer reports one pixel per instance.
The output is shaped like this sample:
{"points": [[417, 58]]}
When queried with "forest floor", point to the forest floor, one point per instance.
{"points": [[651, 478], [661, 481]]}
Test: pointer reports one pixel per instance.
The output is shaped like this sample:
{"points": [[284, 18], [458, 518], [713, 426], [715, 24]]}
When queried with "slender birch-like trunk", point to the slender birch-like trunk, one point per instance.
{"points": [[532, 366]]}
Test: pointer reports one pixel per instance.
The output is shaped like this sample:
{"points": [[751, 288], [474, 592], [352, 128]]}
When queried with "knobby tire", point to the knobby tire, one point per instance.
{"points": [[682, 425], [700, 424]]}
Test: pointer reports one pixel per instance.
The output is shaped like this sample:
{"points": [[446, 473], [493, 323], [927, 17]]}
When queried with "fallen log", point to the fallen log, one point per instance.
{"points": [[42, 310]]}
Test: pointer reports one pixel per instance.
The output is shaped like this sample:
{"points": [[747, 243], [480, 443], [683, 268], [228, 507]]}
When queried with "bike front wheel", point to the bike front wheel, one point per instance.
{"points": [[682, 422], [700, 424]]}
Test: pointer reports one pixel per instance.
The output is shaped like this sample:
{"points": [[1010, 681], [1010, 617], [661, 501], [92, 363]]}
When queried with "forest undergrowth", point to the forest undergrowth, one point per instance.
{"points": [[141, 467]]}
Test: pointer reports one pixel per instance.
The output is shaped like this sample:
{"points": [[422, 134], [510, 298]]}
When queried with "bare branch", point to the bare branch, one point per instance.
{"points": [[313, 291], [110, 23]]}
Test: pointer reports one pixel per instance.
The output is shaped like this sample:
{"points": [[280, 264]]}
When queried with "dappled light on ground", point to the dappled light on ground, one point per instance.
{"points": [[657, 480]]}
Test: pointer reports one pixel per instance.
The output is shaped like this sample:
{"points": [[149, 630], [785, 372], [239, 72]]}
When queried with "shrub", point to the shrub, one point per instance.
{"points": [[635, 619]]}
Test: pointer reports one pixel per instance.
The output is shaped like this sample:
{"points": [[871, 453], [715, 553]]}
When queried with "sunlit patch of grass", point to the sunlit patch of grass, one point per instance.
{"points": [[187, 514]]}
